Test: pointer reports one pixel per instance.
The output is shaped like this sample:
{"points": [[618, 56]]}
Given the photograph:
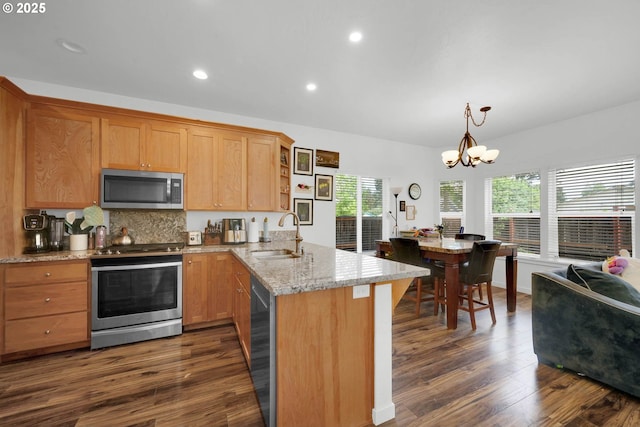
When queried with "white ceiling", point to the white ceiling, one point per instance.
{"points": [[419, 63]]}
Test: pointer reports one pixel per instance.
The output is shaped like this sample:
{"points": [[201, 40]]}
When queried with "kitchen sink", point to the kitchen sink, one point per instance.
{"points": [[273, 254]]}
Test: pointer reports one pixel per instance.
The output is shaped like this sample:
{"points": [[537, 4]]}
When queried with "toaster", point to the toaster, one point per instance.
{"points": [[234, 231]]}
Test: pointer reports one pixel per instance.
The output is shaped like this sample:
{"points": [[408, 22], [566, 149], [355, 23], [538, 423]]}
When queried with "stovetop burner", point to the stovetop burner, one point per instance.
{"points": [[142, 249]]}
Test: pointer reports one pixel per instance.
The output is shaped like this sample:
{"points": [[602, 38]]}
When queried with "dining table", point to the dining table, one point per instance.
{"points": [[453, 253]]}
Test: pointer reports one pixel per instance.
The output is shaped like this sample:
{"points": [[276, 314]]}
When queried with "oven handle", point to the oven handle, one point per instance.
{"points": [[125, 266]]}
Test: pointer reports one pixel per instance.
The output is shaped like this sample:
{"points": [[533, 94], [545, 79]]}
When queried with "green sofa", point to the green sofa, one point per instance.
{"points": [[582, 330]]}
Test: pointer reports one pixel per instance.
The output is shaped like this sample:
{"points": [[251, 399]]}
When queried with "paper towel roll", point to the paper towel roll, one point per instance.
{"points": [[253, 232]]}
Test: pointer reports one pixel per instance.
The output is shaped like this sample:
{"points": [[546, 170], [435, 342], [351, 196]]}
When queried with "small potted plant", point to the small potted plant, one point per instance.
{"points": [[79, 228]]}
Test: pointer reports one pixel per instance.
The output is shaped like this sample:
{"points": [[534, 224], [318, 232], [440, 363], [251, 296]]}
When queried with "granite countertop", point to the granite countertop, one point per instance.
{"points": [[320, 267]]}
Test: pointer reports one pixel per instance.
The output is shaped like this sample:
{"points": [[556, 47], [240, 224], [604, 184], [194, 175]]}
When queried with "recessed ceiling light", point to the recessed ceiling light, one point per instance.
{"points": [[311, 87], [200, 74], [355, 37], [70, 46]]}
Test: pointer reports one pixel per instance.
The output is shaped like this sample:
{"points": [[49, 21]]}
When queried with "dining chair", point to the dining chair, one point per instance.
{"points": [[474, 237], [475, 273], [407, 251], [469, 236]]}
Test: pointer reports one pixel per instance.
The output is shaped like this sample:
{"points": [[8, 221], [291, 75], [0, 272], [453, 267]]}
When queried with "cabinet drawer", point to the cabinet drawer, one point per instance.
{"points": [[41, 332], [46, 272], [44, 300]]}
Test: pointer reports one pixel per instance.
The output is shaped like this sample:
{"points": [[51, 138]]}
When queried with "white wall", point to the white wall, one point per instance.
{"points": [[608, 134]]}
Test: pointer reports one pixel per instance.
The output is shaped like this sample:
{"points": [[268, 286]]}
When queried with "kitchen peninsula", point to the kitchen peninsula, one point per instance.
{"points": [[332, 323]]}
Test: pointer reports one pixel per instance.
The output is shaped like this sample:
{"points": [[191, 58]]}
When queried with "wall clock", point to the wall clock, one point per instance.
{"points": [[415, 191]]}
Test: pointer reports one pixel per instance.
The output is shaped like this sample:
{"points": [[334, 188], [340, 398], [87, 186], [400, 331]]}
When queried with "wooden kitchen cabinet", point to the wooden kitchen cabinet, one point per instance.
{"points": [[262, 155], [195, 284], [242, 307], [62, 158], [269, 177], [46, 305], [217, 170], [207, 288], [138, 144], [284, 174]]}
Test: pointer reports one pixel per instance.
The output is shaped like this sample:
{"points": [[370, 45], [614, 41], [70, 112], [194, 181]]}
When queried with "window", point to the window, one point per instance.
{"points": [[594, 210], [358, 212], [514, 210], [451, 206]]}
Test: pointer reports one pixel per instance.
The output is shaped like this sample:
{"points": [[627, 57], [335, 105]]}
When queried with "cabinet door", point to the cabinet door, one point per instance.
{"points": [[195, 287], [261, 173], [231, 177], [122, 141], [242, 307], [62, 158], [166, 148], [201, 177], [220, 286]]}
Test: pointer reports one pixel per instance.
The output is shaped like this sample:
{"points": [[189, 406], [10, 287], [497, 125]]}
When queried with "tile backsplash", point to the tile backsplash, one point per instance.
{"points": [[148, 226], [163, 226]]}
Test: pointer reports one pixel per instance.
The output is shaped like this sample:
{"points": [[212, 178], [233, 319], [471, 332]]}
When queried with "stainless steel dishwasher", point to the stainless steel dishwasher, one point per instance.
{"points": [[263, 349]]}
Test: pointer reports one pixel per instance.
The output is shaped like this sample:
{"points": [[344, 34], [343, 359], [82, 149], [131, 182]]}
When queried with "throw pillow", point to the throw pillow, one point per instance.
{"points": [[631, 272], [605, 284]]}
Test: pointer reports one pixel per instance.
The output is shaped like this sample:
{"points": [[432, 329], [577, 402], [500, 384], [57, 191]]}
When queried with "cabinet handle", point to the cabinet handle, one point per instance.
{"points": [[148, 165], [47, 274], [47, 332], [141, 165], [189, 262], [47, 299]]}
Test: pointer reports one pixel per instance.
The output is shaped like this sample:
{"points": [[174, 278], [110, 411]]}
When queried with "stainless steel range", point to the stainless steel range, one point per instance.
{"points": [[136, 293]]}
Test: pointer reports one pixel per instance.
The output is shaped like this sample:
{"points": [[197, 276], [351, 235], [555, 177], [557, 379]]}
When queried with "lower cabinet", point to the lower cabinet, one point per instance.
{"points": [[45, 305], [207, 288], [242, 307]]}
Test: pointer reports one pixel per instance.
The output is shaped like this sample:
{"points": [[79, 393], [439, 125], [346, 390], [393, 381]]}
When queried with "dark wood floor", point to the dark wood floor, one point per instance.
{"points": [[489, 377]]}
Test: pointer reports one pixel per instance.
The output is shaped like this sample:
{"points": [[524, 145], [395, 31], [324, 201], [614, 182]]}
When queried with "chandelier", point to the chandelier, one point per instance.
{"points": [[474, 153]]}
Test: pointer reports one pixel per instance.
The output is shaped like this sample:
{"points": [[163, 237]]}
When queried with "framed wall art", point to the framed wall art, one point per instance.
{"points": [[411, 212], [304, 209], [327, 159], [324, 187], [302, 161]]}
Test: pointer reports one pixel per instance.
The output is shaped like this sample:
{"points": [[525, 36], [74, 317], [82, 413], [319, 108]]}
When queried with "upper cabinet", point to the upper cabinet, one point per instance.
{"points": [[217, 170], [261, 173], [61, 158], [138, 144], [268, 173], [284, 173]]}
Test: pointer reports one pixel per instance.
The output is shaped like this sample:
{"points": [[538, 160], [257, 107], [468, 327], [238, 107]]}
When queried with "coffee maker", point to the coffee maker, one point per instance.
{"points": [[37, 230]]}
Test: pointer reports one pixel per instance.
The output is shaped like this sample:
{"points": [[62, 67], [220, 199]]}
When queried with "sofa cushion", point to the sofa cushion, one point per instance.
{"points": [[605, 284]]}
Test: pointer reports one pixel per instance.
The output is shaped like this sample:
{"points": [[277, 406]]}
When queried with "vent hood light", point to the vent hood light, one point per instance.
{"points": [[311, 87]]}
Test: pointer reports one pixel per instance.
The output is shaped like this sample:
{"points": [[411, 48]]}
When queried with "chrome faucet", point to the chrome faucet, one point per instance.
{"points": [[296, 222]]}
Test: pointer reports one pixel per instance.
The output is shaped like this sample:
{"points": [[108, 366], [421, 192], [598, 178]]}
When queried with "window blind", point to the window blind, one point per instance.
{"points": [[451, 206], [515, 210], [358, 212], [595, 209]]}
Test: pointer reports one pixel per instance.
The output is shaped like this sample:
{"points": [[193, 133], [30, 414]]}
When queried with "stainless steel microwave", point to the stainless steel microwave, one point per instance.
{"points": [[130, 189]]}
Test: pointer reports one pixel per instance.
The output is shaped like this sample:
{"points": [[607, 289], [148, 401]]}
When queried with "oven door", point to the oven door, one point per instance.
{"points": [[135, 290]]}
